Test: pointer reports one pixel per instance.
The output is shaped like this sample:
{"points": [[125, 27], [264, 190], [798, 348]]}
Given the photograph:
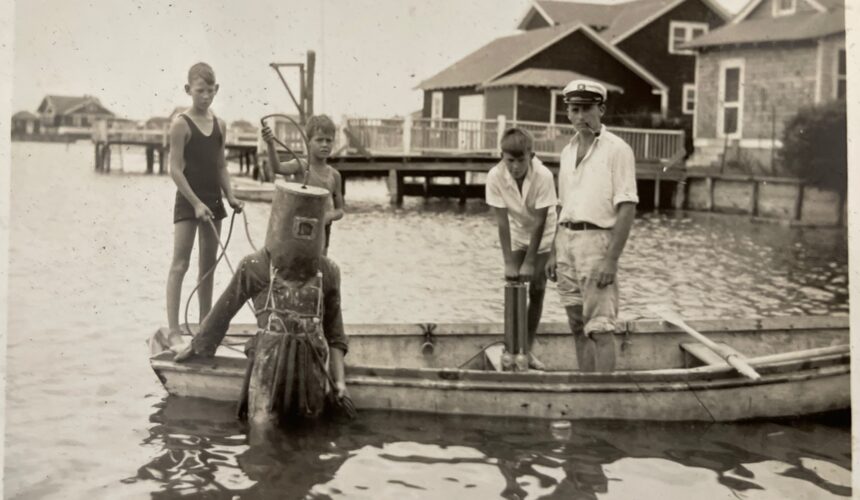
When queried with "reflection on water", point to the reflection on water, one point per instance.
{"points": [[88, 263], [390, 455]]}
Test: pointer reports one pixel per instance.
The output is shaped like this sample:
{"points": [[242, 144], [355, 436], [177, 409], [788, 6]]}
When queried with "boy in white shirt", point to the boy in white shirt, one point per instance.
{"points": [[521, 191]]}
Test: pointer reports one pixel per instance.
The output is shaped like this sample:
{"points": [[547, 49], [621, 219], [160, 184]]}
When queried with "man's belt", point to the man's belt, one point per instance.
{"points": [[582, 226]]}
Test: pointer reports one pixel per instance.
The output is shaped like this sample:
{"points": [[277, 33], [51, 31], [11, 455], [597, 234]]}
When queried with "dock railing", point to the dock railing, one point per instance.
{"points": [[103, 134], [451, 135]]}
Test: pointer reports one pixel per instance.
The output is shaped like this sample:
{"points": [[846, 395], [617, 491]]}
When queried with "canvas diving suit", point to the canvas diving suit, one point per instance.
{"points": [[295, 292]]}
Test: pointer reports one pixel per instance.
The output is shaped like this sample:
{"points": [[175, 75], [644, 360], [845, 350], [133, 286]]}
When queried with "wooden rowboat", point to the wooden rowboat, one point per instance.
{"points": [[662, 374], [250, 190]]}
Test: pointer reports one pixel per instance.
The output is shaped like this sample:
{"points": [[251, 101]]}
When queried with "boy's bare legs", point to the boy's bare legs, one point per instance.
{"points": [[209, 245], [537, 290], [183, 241]]}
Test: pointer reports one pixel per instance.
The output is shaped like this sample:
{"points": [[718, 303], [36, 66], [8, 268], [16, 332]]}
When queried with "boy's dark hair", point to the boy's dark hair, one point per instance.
{"points": [[516, 142], [319, 124], [203, 71]]}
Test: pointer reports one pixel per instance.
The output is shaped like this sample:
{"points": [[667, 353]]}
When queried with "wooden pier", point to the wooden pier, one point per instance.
{"points": [[415, 153], [156, 144], [661, 184]]}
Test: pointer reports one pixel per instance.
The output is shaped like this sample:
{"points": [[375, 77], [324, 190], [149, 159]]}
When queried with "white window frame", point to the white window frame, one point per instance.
{"points": [[836, 75], [779, 12], [687, 88], [721, 105], [437, 102], [688, 28], [553, 95]]}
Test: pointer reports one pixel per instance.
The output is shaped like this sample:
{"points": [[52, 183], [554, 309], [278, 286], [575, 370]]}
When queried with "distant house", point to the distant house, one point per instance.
{"points": [[243, 127], [634, 48], [752, 74], [124, 124], [68, 111], [176, 111], [157, 123], [25, 123]]}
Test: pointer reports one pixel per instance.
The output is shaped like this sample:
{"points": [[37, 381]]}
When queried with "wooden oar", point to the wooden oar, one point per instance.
{"points": [[731, 358]]}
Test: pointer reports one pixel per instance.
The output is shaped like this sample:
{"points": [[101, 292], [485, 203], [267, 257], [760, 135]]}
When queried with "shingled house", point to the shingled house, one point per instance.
{"points": [[634, 48], [24, 123], [773, 58], [72, 111]]}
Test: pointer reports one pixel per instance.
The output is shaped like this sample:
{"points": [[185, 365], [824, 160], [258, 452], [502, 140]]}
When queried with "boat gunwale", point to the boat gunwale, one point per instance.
{"points": [[788, 324], [704, 378], [581, 387]]}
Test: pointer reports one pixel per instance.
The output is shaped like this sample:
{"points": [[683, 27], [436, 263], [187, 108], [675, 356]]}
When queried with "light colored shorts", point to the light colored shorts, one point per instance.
{"points": [[577, 255], [520, 240]]}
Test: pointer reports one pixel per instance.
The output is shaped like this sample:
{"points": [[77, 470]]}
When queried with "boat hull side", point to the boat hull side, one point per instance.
{"points": [[800, 394]]}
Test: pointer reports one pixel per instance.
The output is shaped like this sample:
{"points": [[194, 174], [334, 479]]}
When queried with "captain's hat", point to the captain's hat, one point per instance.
{"points": [[584, 92]]}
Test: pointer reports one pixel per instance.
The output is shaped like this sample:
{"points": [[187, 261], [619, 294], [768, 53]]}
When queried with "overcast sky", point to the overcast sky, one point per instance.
{"points": [[134, 54]]}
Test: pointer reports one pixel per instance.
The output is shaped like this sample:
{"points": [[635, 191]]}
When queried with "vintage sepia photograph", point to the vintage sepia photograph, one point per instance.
{"points": [[402, 249]]}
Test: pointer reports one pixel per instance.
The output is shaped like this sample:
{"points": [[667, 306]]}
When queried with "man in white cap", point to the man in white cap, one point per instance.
{"points": [[597, 203]]}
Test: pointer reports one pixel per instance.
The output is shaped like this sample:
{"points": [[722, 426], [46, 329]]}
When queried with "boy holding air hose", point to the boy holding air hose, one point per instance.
{"points": [[320, 130], [199, 169]]}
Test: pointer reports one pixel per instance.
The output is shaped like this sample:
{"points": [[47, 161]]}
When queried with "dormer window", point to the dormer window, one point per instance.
{"points": [[681, 32], [784, 7]]}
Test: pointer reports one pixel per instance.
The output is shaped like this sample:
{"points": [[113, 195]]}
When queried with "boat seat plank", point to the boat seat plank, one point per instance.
{"points": [[706, 356]]}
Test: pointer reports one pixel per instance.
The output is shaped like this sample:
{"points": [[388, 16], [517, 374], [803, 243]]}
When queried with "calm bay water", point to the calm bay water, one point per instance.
{"points": [[86, 418]]}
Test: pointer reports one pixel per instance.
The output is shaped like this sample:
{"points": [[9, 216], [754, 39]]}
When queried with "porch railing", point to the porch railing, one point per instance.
{"points": [[427, 135]]}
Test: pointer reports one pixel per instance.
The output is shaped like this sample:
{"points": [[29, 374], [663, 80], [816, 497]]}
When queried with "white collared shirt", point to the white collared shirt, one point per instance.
{"points": [[538, 191], [606, 176]]}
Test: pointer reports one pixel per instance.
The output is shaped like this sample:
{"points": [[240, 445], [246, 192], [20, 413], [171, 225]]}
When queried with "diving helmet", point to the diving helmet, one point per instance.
{"points": [[296, 233]]}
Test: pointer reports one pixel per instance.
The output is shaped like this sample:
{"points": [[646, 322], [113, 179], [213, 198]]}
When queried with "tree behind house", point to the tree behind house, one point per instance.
{"points": [[814, 146]]}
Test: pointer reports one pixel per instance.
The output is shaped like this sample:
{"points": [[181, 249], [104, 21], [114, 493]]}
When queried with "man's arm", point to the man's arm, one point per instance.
{"points": [[178, 132], [545, 201], [527, 268], [624, 197], [223, 174], [549, 269], [609, 267], [511, 267], [337, 197], [336, 367]]}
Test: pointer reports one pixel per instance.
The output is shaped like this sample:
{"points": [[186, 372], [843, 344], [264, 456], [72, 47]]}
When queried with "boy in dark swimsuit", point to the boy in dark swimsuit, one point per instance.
{"points": [[199, 169], [320, 130]]}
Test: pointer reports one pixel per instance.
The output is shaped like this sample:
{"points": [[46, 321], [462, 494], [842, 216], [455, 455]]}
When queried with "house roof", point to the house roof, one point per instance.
{"points": [[487, 61], [819, 5], [62, 103], [560, 12], [636, 15], [641, 13], [242, 124], [803, 26], [159, 121], [620, 19], [24, 115], [551, 78], [502, 54]]}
